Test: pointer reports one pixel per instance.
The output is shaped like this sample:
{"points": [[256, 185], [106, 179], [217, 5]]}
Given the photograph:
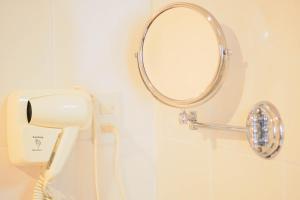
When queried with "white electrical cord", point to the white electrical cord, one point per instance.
{"points": [[117, 164], [95, 130], [40, 191], [110, 129]]}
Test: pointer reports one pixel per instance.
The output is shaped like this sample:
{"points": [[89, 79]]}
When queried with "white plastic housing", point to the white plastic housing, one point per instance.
{"points": [[64, 110], [55, 119]]}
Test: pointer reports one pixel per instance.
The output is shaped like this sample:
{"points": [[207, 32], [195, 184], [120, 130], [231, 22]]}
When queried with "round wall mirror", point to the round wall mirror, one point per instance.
{"points": [[182, 61], [182, 57]]}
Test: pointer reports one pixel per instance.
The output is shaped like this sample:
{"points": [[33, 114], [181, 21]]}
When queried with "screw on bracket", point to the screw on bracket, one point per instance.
{"points": [[227, 52], [186, 118]]}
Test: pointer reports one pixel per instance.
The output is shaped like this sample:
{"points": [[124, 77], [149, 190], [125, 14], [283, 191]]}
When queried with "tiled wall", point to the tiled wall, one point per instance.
{"points": [[58, 44], [216, 165], [25, 62]]}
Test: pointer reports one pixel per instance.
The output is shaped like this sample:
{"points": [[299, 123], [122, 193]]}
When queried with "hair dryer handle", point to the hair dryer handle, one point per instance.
{"points": [[61, 151]]}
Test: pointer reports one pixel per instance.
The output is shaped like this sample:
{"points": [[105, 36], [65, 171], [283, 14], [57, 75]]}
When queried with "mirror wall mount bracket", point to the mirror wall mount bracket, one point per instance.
{"points": [[264, 128]]}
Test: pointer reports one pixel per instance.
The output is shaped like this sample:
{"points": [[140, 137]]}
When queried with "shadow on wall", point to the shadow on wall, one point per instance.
{"points": [[133, 47], [221, 107], [2, 124]]}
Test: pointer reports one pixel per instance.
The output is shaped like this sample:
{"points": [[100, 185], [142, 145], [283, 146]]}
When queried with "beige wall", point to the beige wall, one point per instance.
{"points": [[58, 44], [216, 165]]}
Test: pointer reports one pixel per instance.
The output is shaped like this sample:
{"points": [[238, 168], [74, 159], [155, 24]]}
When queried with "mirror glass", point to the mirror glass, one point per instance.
{"points": [[181, 53]]}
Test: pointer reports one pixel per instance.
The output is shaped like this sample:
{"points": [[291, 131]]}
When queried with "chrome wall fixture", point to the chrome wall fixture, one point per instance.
{"points": [[263, 127]]}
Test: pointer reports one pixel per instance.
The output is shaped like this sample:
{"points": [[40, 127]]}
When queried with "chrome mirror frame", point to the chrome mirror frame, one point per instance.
{"points": [[218, 77]]}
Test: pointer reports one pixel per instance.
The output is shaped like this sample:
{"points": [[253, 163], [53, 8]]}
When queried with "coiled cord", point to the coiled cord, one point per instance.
{"points": [[40, 191], [44, 191]]}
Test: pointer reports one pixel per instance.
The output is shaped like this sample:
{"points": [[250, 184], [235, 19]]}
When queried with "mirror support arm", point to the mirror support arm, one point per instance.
{"points": [[191, 119]]}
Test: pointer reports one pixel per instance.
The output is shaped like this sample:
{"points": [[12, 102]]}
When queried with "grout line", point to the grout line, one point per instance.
{"points": [[152, 7], [253, 156], [211, 174], [52, 42], [284, 182], [3, 148]]}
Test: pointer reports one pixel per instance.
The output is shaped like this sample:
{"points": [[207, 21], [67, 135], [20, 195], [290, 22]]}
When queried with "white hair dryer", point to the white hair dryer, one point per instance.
{"points": [[42, 126]]}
